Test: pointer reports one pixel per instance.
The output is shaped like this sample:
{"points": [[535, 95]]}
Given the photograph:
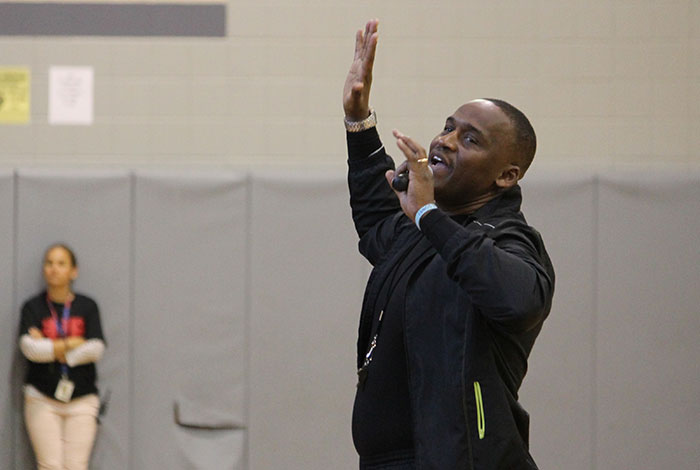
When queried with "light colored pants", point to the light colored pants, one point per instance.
{"points": [[62, 434]]}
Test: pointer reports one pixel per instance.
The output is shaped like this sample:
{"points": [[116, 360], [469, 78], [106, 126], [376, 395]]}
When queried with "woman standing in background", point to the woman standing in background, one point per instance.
{"points": [[61, 337]]}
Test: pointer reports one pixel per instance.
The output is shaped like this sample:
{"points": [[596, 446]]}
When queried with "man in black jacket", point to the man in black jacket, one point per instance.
{"points": [[460, 287]]}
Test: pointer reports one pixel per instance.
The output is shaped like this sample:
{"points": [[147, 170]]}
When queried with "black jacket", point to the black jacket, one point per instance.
{"points": [[478, 294]]}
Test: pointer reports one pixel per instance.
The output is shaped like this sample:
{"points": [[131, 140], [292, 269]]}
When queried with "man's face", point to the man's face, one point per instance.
{"points": [[469, 156]]}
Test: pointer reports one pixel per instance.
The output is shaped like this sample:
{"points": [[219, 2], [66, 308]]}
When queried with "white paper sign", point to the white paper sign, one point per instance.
{"points": [[71, 95]]}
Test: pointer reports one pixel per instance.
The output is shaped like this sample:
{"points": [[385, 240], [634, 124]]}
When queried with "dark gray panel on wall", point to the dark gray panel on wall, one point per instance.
{"points": [[648, 323], [558, 390], [9, 319], [308, 281], [190, 332], [117, 19], [90, 211]]}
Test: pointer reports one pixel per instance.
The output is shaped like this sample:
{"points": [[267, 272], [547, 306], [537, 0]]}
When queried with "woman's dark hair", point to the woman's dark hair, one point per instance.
{"points": [[70, 252]]}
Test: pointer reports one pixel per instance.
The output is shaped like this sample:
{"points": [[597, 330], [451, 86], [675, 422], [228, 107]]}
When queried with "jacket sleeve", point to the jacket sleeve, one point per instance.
{"points": [[504, 268], [376, 211]]}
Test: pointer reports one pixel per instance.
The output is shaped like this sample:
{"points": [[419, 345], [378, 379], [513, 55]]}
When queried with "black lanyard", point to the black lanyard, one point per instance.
{"points": [[399, 271]]}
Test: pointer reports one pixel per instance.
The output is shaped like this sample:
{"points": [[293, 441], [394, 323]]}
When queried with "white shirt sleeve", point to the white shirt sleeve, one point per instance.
{"points": [[90, 351], [37, 349]]}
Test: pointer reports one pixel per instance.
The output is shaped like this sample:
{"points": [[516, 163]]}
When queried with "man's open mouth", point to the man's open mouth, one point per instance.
{"points": [[436, 160]]}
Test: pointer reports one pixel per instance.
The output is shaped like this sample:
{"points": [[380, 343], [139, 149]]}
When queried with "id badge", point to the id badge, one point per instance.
{"points": [[64, 390]]}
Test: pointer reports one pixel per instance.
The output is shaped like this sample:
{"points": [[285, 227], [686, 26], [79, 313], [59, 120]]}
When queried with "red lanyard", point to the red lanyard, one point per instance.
{"points": [[64, 316]]}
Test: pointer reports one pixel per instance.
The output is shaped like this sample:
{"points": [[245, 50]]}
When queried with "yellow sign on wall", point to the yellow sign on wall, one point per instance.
{"points": [[14, 95]]}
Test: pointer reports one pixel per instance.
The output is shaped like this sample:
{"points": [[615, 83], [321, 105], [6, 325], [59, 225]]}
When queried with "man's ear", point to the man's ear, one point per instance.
{"points": [[509, 177]]}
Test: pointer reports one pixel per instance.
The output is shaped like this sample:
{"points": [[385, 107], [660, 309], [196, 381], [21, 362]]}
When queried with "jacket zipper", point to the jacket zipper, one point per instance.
{"points": [[480, 418]]}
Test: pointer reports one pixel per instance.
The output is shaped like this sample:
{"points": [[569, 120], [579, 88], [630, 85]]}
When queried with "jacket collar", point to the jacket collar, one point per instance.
{"points": [[507, 202]]}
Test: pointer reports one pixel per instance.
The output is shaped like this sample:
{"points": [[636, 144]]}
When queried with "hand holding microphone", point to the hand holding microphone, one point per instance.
{"points": [[412, 181]]}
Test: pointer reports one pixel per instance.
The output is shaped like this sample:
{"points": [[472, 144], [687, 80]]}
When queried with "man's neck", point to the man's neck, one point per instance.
{"points": [[470, 206]]}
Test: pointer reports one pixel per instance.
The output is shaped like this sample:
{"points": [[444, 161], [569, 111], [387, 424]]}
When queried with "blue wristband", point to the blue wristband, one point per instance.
{"points": [[426, 208]]}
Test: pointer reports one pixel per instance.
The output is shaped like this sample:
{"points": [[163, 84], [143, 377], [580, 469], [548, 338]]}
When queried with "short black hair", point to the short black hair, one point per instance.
{"points": [[525, 139], [70, 252]]}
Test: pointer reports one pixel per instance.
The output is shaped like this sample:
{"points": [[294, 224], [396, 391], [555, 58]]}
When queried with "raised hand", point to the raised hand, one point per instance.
{"points": [[359, 79]]}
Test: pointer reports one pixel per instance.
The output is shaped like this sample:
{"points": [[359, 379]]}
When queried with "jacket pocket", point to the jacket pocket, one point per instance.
{"points": [[480, 418]]}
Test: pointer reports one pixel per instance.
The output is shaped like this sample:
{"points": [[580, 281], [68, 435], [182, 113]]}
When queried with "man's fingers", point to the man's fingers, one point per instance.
{"points": [[370, 52], [407, 151], [409, 147], [366, 41], [358, 43], [389, 175], [369, 43], [402, 168], [371, 27], [416, 157]]}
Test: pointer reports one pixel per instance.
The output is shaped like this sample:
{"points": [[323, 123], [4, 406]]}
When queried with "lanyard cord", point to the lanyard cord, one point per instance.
{"points": [[392, 282], [60, 323], [373, 343]]}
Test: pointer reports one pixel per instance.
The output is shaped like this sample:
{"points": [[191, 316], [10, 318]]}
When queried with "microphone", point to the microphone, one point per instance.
{"points": [[400, 181]]}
